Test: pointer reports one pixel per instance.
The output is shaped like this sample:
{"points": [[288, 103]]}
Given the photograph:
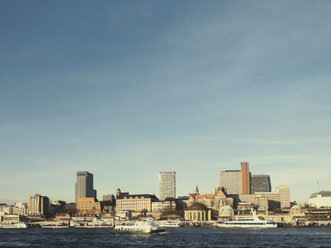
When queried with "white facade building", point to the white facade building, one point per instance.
{"points": [[20, 208], [320, 199]]}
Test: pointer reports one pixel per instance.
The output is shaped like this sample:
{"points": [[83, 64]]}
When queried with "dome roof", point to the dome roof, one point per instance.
{"points": [[197, 206], [226, 208]]}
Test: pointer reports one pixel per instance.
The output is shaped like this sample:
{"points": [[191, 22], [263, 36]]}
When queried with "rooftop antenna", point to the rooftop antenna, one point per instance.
{"points": [[318, 186]]}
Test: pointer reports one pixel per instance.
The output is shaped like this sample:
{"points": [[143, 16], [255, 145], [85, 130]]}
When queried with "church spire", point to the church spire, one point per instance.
{"points": [[197, 190], [318, 186]]}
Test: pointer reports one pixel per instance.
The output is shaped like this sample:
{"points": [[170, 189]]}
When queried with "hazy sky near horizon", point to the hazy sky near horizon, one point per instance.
{"points": [[125, 89]]}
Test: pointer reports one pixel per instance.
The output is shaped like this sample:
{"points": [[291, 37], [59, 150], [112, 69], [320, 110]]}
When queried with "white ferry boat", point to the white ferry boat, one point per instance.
{"points": [[139, 227], [246, 222], [13, 225]]}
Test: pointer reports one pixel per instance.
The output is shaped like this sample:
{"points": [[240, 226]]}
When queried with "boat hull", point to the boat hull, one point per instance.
{"points": [[138, 231], [247, 226], [248, 222], [139, 227]]}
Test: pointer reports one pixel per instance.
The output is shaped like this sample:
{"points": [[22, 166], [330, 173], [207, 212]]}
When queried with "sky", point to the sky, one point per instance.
{"points": [[126, 89]]}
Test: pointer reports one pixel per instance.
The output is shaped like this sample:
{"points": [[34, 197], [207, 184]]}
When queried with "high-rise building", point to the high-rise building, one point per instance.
{"points": [[38, 205], [284, 196], [167, 184], [84, 185], [260, 183], [231, 181], [236, 181], [245, 178]]}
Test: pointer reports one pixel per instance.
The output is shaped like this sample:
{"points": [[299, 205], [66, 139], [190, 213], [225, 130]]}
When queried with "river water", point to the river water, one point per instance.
{"points": [[176, 237]]}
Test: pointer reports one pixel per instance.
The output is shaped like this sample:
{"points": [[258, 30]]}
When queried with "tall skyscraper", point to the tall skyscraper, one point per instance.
{"points": [[84, 185], [236, 181], [260, 183], [231, 181], [167, 184], [245, 178]]}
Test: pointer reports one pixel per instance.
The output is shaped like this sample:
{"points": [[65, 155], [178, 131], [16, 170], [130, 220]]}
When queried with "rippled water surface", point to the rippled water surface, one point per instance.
{"points": [[178, 237]]}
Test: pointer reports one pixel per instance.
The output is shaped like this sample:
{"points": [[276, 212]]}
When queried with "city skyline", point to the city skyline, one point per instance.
{"points": [[86, 179], [127, 90]]}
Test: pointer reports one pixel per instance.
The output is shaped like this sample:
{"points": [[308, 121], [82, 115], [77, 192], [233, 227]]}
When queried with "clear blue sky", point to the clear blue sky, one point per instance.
{"points": [[125, 89]]}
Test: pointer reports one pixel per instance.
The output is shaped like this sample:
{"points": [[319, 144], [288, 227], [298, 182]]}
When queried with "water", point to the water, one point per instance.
{"points": [[177, 237]]}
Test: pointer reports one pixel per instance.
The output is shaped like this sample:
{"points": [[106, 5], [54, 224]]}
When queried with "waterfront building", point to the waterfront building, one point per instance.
{"points": [[206, 199], [297, 213], [260, 183], [181, 202], [62, 217], [70, 208], [38, 205], [6, 209], [17, 209], [267, 200], [57, 207], [320, 199], [11, 218], [211, 201], [321, 214], [84, 185], [2, 205], [88, 206], [20, 208], [263, 200], [284, 196], [167, 181], [109, 197], [197, 212], [157, 206], [134, 202], [236, 181], [169, 204], [108, 203]]}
